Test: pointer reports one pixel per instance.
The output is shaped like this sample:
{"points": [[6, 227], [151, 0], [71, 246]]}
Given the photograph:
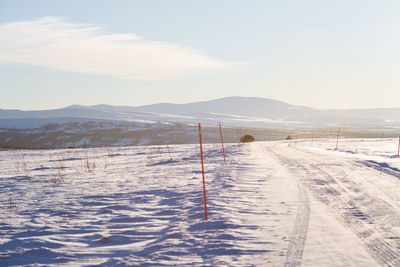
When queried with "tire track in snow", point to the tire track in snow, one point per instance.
{"points": [[299, 233], [300, 228], [336, 192], [361, 224]]}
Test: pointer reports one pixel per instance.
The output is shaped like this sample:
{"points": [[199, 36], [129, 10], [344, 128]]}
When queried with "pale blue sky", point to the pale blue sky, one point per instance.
{"points": [[323, 54]]}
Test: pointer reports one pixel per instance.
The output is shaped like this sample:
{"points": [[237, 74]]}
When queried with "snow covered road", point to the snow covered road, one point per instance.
{"points": [[348, 213], [272, 204]]}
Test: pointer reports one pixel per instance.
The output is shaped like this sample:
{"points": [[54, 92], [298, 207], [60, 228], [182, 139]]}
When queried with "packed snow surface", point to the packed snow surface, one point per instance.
{"points": [[298, 202]]}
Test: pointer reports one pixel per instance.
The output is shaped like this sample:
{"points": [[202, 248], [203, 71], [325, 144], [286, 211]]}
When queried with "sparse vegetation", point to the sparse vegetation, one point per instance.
{"points": [[110, 151], [11, 206], [89, 164], [247, 138], [149, 158], [96, 134], [60, 177], [25, 168]]}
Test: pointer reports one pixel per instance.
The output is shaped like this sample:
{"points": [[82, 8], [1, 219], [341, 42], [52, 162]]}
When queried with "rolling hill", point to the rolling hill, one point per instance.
{"points": [[234, 111]]}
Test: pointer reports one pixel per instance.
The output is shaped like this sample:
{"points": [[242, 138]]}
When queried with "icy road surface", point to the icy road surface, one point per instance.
{"points": [[272, 204]]}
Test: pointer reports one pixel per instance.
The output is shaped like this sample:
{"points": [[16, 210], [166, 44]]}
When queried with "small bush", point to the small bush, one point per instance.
{"points": [[288, 137], [247, 138]]}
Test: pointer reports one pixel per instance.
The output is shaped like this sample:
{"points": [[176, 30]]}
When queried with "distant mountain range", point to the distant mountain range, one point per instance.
{"points": [[231, 111], [161, 124]]}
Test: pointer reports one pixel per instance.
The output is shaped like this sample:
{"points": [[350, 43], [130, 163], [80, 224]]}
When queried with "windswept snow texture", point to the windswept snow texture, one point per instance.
{"points": [[137, 206], [285, 203]]}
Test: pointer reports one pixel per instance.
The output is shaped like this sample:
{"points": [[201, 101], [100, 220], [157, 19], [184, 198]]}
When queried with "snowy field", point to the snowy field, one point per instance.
{"points": [[271, 204]]}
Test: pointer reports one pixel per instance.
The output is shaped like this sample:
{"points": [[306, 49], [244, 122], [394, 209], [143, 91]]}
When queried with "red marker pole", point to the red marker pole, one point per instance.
{"points": [[337, 140], [238, 137], [398, 150], [202, 171], [222, 141]]}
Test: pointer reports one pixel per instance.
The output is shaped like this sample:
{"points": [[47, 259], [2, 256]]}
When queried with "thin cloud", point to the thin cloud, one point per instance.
{"points": [[86, 48]]}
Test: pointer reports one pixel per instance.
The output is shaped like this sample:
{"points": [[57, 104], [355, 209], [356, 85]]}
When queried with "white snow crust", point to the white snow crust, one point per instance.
{"points": [[288, 203]]}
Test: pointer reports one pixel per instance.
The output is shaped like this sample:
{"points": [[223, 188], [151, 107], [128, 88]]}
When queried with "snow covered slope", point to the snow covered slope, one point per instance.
{"points": [[232, 111], [272, 204]]}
